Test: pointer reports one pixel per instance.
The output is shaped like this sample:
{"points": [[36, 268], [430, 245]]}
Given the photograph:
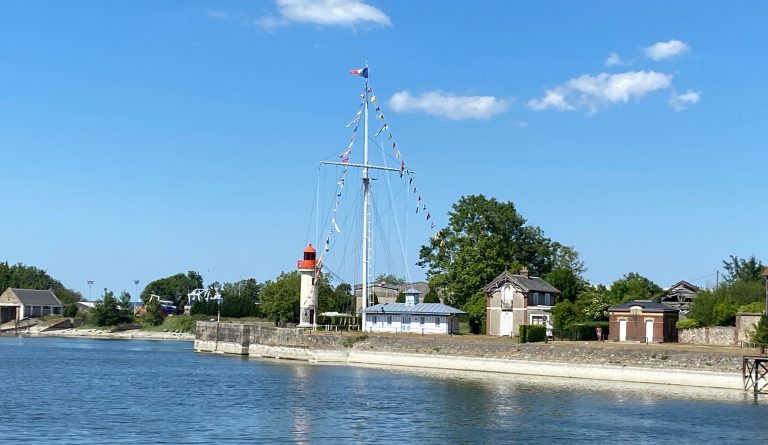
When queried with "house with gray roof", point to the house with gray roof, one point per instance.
{"points": [[17, 304], [412, 316], [643, 321], [517, 299]]}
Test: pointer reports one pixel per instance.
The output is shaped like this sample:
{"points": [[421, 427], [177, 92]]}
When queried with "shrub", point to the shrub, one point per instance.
{"points": [[761, 331], [522, 333], [535, 333], [70, 310], [585, 331], [687, 323], [431, 297], [754, 307]]}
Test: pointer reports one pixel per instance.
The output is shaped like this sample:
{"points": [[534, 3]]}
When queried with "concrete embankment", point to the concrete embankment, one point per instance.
{"points": [[662, 364]]}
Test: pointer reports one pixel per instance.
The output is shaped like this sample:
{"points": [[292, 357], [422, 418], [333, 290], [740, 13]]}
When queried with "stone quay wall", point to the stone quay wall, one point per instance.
{"points": [[297, 344]]}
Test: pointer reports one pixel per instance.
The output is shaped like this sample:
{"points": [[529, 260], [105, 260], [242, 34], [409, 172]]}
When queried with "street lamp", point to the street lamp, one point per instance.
{"points": [[90, 284], [136, 285]]}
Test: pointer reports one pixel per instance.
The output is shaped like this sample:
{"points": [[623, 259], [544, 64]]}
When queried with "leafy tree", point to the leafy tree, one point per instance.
{"points": [[761, 331], [30, 277], [111, 311], [154, 315], [754, 307], [483, 238], [280, 298], [70, 310], [389, 279], [594, 302], [475, 309], [240, 299], [739, 269], [719, 306], [564, 314], [567, 282], [174, 288], [401, 298], [566, 257], [431, 297], [634, 286]]}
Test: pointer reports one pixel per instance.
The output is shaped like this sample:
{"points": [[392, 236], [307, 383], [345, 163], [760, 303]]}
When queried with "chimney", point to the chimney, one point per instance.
{"points": [[524, 271]]}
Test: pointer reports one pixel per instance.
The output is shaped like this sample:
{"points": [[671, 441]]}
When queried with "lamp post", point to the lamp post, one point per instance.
{"points": [[136, 286], [90, 284]]}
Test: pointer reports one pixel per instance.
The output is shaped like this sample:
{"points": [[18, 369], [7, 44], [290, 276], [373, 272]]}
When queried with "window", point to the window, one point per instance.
{"points": [[437, 321], [421, 321], [389, 319], [535, 298], [548, 299], [375, 319]]}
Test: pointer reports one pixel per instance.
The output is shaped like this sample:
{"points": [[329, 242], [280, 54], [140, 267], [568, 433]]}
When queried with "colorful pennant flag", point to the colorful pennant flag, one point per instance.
{"points": [[363, 72]]}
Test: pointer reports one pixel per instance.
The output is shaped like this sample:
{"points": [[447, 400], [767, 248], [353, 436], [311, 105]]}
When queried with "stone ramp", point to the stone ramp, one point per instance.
{"points": [[23, 324], [52, 325]]}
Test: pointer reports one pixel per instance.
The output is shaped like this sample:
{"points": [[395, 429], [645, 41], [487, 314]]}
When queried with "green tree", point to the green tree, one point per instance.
{"points": [[594, 302], [111, 311], [389, 279], [564, 314], [30, 277], [567, 282], [634, 286], [483, 238], [719, 306], [760, 335], [475, 309], [70, 310], [401, 298], [240, 299], [174, 288], [739, 269], [280, 298], [154, 314], [431, 297]]}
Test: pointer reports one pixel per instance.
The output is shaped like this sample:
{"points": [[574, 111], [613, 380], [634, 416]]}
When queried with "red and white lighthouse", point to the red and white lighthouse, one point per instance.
{"points": [[308, 295]]}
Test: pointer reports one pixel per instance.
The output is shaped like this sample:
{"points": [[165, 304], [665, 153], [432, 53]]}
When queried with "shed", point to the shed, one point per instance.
{"points": [[642, 321], [422, 318], [17, 304]]}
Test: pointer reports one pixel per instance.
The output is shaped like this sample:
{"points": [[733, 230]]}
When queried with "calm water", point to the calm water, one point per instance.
{"points": [[73, 391]]}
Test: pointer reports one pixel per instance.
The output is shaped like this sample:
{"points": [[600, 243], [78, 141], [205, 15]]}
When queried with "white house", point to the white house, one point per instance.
{"points": [[412, 316], [517, 299]]}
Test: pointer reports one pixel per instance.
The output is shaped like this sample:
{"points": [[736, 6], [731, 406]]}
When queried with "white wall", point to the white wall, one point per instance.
{"points": [[382, 324]]}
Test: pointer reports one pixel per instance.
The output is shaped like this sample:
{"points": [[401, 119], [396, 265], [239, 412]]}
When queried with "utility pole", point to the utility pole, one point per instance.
{"points": [[90, 285], [136, 286]]}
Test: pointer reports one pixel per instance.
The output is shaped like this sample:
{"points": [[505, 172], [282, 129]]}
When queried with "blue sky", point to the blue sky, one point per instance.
{"points": [[143, 138]]}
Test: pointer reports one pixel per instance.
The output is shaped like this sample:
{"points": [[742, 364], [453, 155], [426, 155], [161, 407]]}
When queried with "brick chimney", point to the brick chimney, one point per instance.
{"points": [[524, 271]]}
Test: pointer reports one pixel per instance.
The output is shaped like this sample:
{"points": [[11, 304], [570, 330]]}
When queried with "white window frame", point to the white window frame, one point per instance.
{"points": [[389, 320]]}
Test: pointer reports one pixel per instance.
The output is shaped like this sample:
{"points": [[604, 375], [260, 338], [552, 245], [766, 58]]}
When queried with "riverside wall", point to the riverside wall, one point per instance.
{"points": [[604, 361]]}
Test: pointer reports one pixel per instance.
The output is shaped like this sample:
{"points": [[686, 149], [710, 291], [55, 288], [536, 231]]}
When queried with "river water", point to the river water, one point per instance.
{"points": [[82, 391]]}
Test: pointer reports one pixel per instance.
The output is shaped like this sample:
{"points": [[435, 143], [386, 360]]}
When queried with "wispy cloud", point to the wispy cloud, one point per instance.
{"points": [[449, 105], [345, 13], [590, 93], [680, 102], [221, 15], [666, 50], [613, 59]]}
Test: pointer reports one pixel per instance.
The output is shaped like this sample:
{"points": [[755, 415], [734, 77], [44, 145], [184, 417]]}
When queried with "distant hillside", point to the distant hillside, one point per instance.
{"points": [[30, 277]]}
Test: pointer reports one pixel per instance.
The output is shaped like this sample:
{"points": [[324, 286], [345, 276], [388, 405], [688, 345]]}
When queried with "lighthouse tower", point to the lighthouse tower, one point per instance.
{"points": [[308, 295]]}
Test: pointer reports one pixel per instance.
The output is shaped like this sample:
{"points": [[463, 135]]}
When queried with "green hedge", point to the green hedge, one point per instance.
{"points": [[584, 331], [688, 323], [531, 333]]}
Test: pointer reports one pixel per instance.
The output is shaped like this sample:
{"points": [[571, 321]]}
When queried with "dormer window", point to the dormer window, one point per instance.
{"points": [[548, 299], [536, 298]]}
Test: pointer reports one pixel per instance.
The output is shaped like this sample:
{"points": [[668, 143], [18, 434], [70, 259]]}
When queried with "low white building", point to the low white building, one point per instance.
{"points": [[412, 316], [17, 304]]}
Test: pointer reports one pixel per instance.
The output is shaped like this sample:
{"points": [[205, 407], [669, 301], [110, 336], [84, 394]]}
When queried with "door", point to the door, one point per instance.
{"points": [[505, 327], [405, 326], [648, 331], [622, 330]]}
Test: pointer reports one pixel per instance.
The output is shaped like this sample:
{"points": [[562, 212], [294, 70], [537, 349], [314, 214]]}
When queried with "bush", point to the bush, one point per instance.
{"points": [[761, 331], [584, 331], [754, 307], [70, 310], [687, 323], [532, 333]]}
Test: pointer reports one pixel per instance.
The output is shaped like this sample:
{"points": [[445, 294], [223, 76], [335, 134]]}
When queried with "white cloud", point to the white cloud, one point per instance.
{"points": [[666, 50], [680, 102], [348, 13], [221, 15], [613, 59], [449, 105], [591, 93]]}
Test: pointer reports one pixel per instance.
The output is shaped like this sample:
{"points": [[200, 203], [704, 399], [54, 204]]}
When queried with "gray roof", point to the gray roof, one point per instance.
{"points": [[527, 284], [36, 297], [647, 305], [412, 291], [420, 309]]}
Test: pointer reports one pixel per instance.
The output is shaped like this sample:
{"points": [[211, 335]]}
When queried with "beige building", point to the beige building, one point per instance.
{"points": [[517, 299], [17, 304]]}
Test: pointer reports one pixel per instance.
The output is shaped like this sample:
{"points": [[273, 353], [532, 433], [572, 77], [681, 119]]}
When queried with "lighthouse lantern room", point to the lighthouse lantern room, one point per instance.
{"points": [[308, 296]]}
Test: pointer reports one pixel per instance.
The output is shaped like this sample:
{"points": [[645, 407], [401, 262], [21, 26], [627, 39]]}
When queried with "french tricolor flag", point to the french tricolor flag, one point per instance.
{"points": [[361, 72]]}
